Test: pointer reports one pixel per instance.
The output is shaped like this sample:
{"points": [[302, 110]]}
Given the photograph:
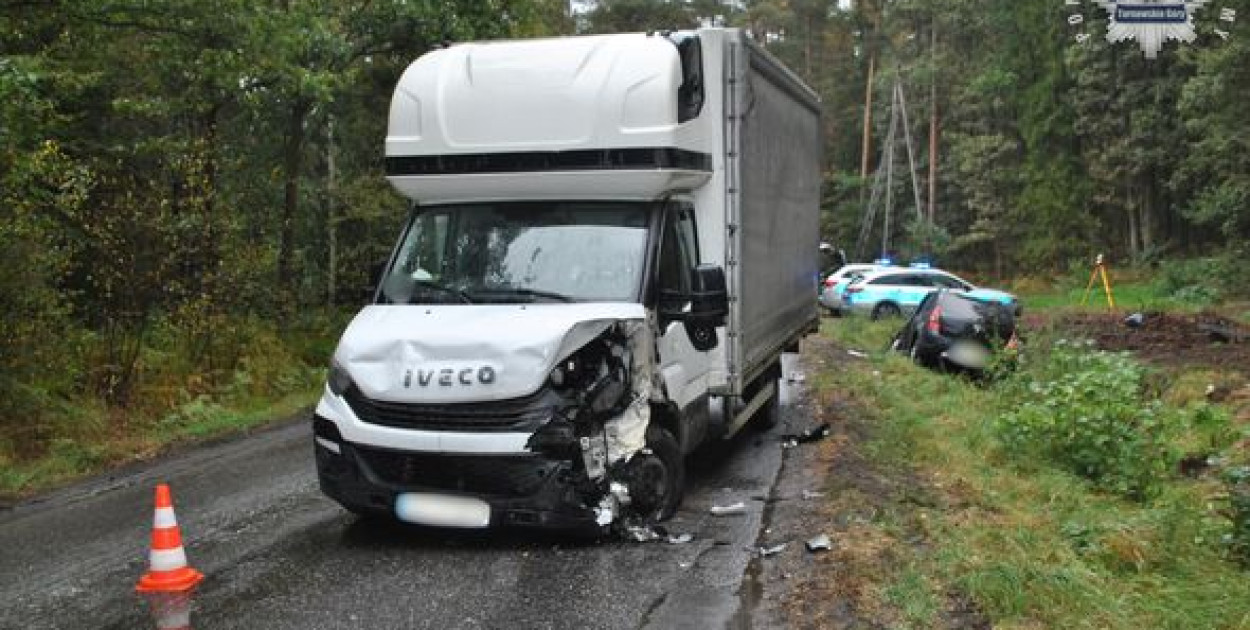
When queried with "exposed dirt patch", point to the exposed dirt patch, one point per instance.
{"points": [[1203, 340], [845, 587]]}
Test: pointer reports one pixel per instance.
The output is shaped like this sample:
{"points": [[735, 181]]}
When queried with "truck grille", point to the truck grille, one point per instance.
{"points": [[518, 414], [500, 476]]}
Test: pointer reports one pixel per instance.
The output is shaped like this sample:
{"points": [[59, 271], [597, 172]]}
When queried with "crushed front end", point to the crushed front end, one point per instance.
{"points": [[572, 454]]}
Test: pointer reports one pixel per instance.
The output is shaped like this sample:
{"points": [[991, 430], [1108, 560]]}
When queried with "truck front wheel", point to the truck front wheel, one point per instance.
{"points": [[658, 477]]}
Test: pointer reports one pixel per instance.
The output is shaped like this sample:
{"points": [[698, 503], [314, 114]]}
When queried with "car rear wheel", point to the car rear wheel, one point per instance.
{"points": [[886, 310]]}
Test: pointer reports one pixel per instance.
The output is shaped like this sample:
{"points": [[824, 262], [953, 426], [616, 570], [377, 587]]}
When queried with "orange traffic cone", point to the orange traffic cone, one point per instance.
{"points": [[167, 562]]}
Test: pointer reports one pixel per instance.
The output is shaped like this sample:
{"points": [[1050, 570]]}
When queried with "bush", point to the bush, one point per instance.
{"points": [[1237, 483], [1085, 411], [1200, 281]]}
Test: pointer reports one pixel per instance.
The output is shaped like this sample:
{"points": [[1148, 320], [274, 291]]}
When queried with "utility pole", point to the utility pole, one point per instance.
{"points": [[911, 153], [883, 182]]}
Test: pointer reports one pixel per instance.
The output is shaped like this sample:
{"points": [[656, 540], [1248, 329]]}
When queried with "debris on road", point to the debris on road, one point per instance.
{"points": [[772, 551], [644, 534], [808, 495], [859, 354], [727, 510], [820, 543], [814, 434], [1136, 320]]}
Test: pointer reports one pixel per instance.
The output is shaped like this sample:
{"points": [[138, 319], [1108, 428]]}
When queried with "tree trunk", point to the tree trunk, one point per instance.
{"points": [[293, 160], [867, 143], [1131, 206], [1149, 210], [933, 131], [331, 217]]}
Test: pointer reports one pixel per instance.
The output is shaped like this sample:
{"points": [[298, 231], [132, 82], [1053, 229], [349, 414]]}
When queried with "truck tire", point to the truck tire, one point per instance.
{"points": [[658, 478]]}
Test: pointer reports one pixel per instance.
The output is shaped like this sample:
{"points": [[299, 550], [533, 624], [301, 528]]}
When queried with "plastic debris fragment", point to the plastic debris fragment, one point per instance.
{"points": [[808, 495], [727, 510], [811, 435], [819, 543], [857, 354], [643, 534], [772, 551]]}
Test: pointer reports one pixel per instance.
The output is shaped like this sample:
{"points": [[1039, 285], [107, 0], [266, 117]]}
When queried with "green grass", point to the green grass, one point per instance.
{"points": [[912, 595], [1132, 294], [1032, 545]]}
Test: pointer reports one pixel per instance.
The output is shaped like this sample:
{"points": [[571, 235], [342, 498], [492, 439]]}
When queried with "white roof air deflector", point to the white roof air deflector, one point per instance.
{"points": [[467, 121]]}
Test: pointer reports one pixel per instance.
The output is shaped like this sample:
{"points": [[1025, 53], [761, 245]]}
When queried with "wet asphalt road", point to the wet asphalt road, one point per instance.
{"points": [[277, 554]]}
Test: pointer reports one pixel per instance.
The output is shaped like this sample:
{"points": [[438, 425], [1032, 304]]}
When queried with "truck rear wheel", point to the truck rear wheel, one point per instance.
{"points": [[657, 478]]}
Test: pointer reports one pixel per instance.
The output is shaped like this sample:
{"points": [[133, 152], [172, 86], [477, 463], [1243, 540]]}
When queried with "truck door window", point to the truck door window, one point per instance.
{"points": [[678, 255]]}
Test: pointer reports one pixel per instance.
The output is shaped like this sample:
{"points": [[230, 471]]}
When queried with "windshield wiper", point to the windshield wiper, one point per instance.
{"points": [[459, 293], [529, 293]]}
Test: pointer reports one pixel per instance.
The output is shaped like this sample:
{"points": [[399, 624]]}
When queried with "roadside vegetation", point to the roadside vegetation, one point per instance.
{"points": [[1081, 489], [182, 387]]}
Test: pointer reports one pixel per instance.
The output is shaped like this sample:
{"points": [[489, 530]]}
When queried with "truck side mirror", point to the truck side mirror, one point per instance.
{"points": [[708, 296], [709, 306]]}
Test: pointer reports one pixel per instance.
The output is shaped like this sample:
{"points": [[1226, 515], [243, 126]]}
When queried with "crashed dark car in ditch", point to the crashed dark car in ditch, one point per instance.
{"points": [[954, 330]]}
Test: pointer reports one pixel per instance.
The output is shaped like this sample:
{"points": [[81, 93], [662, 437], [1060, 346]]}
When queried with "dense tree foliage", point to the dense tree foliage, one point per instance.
{"points": [[1052, 144], [181, 181]]}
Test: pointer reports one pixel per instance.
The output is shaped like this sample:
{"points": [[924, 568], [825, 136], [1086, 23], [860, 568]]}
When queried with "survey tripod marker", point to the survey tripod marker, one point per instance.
{"points": [[1100, 271]]}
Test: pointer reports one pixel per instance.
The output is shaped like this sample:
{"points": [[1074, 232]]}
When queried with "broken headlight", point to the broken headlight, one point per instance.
{"points": [[596, 378]]}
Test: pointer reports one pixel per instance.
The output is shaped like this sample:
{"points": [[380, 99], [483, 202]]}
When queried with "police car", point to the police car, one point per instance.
{"points": [[835, 283], [893, 292]]}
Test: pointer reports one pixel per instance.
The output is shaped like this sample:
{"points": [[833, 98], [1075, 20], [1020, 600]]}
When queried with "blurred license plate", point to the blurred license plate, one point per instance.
{"points": [[968, 354], [440, 510]]}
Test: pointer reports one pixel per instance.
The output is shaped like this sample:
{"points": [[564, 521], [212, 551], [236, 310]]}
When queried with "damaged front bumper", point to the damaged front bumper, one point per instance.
{"points": [[567, 455], [514, 490]]}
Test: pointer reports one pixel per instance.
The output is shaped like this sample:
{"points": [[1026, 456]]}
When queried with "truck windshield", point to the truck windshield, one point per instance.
{"points": [[492, 253]]}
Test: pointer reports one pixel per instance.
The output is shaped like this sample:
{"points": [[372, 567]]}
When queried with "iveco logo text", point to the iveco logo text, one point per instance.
{"points": [[447, 377]]}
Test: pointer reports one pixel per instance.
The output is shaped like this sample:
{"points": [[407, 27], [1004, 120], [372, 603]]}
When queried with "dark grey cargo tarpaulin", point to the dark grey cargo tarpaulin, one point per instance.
{"points": [[775, 197]]}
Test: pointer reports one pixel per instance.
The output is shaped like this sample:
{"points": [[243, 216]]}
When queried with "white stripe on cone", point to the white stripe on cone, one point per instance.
{"points": [[164, 518], [167, 559]]}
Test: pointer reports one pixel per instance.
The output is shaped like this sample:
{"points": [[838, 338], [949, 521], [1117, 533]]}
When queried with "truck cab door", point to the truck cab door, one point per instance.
{"points": [[683, 367]]}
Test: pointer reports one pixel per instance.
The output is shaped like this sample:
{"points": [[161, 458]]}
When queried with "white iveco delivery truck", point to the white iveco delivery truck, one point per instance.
{"points": [[612, 240]]}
